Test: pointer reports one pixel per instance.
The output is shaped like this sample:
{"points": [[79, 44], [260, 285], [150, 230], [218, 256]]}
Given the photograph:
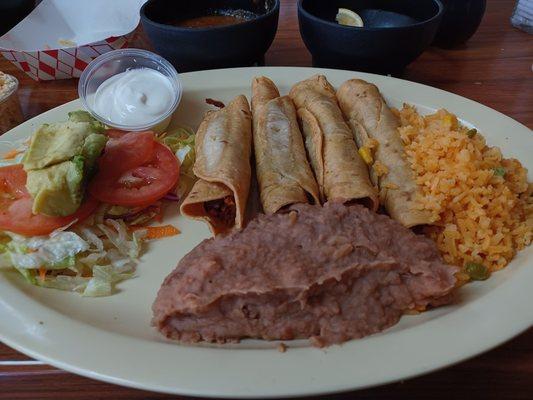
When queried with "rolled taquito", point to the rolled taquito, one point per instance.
{"points": [[371, 120], [223, 147], [340, 172], [282, 169]]}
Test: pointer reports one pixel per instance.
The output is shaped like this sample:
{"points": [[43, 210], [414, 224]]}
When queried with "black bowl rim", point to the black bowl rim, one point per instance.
{"points": [[144, 18], [370, 29]]}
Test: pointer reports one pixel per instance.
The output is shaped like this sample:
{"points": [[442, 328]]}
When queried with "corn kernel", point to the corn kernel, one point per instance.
{"points": [[366, 155], [450, 120]]}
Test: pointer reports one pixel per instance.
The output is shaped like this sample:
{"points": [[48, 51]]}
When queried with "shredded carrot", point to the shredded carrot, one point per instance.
{"points": [[158, 232], [42, 273], [11, 154]]}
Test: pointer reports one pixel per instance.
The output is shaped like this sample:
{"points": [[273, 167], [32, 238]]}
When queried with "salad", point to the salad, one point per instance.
{"points": [[78, 200]]}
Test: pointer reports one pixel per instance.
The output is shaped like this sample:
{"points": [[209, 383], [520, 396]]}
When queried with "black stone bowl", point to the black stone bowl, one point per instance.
{"points": [[395, 33], [190, 49], [460, 21]]}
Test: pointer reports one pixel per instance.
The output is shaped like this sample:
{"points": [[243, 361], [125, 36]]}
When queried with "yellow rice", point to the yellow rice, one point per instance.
{"points": [[480, 217]]}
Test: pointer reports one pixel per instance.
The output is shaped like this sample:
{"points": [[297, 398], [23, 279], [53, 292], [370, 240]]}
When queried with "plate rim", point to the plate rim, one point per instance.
{"points": [[511, 329]]}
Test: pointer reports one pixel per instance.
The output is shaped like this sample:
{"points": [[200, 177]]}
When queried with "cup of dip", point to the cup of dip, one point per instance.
{"points": [[131, 89], [10, 112]]}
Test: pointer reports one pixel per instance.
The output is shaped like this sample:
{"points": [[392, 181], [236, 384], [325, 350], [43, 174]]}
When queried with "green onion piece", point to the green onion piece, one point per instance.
{"points": [[477, 272], [471, 133], [499, 171]]}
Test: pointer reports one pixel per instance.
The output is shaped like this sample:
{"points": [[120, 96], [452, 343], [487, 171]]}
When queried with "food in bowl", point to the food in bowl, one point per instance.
{"points": [[134, 97], [214, 18], [10, 112], [209, 46], [131, 90], [349, 18], [394, 33]]}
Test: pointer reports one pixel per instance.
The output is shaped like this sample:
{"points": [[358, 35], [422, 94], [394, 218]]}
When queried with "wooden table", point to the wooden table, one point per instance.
{"points": [[494, 68]]}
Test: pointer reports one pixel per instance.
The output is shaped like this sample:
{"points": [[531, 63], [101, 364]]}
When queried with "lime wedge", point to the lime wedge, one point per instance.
{"points": [[348, 17]]}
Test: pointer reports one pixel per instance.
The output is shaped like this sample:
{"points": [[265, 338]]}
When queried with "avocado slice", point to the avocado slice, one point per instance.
{"points": [[55, 143], [61, 158], [57, 190], [80, 116], [90, 151], [84, 116]]}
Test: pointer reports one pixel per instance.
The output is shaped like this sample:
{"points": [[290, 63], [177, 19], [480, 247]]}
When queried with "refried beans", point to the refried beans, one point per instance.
{"points": [[329, 274]]}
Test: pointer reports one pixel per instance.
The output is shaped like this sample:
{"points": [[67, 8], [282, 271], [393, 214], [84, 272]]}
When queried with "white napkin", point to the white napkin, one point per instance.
{"points": [[61, 24]]}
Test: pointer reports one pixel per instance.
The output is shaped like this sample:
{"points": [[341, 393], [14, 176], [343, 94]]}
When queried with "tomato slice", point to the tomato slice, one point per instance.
{"points": [[138, 186], [16, 204], [127, 151]]}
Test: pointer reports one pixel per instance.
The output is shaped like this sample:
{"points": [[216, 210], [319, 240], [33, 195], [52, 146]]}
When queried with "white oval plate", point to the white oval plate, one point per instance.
{"points": [[111, 338]]}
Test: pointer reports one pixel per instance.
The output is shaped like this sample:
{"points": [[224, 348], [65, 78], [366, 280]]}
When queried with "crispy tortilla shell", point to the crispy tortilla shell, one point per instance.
{"points": [[370, 118], [340, 172], [282, 169], [223, 147]]}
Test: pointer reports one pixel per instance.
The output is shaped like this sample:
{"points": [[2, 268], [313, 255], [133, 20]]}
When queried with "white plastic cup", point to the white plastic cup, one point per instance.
{"points": [[116, 62]]}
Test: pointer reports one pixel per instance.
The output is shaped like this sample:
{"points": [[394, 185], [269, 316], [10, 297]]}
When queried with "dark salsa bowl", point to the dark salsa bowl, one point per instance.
{"points": [[210, 46], [394, 34]]}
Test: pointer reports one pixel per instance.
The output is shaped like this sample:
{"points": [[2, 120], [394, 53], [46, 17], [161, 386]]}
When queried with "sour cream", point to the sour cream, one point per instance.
{"points": [[134, 97]]}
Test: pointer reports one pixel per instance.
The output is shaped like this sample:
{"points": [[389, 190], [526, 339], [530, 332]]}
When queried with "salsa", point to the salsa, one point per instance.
{"points": [[209, 21]]}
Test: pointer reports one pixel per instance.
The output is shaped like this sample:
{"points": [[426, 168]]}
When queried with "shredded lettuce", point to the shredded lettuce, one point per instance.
{"points": [[89, 259], [93, 239], [104, 276], [52, 252], [63, 282], [134, 216], [128, 244], [177, 139], [20, 147], [181, 141], [28, 274], [5, 258]]}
